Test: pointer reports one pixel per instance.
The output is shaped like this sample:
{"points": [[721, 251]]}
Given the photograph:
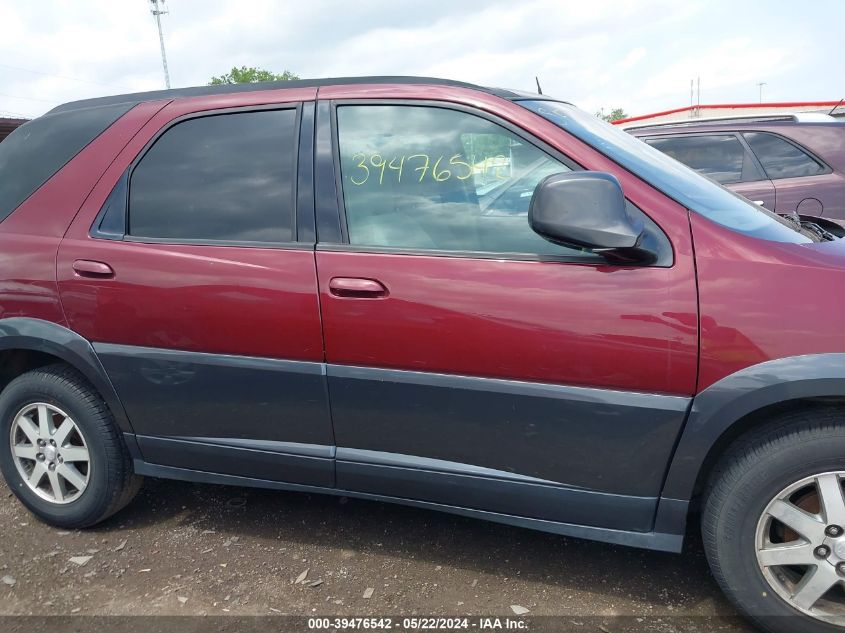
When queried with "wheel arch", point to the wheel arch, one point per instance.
{"points": [[746, 400], [26, 343]]}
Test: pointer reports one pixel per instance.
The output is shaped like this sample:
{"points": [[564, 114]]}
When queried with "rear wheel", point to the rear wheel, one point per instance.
{"points": [[774, 523], [50, 453], [60, 450]]}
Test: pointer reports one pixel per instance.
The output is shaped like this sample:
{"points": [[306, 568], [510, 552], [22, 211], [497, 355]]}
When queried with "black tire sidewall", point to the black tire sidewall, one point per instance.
{"points": [[34, 387], [736, 526]]}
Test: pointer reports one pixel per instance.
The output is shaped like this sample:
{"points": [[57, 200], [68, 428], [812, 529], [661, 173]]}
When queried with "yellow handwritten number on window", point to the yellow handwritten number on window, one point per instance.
{"points": [[378, 162], [424, 166], [362, 165], [453, 161], [365, 161]]}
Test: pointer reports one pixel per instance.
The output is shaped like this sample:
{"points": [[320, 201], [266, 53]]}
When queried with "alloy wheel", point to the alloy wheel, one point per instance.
{"points": [[800, 546], [50, 453]]}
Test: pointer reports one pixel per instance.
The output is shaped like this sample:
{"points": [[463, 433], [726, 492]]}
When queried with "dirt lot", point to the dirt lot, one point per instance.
{"points": [[190, 549]]}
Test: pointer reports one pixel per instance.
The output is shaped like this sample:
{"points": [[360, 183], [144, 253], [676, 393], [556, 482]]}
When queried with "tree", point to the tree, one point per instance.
{"points": [[615, 114], [244, 75]]}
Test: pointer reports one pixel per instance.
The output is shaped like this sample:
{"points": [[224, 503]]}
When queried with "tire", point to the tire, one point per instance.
{"points": [[103, 484], [763, 476]]}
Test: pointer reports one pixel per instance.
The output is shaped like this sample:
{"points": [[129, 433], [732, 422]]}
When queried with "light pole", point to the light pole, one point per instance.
{"points": [[760, 86], [158, 11]]}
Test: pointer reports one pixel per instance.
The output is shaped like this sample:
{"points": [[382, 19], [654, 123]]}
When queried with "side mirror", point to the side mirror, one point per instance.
{"points": [[587, 209]]}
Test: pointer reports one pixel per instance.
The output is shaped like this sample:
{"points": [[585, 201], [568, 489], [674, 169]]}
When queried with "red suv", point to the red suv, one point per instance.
{"points": [[425, 292]]}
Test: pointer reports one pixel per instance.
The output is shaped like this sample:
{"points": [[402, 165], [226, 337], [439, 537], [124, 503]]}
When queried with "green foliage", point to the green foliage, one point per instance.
{"points": [[244, 75], [615, 114]]}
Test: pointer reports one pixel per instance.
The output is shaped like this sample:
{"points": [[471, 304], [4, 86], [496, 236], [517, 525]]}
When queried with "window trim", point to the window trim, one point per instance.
{"points": [[739, 138], [305, 229], [587, 258], [345, 246], [327, 214], [125, 179], [826, 169]]}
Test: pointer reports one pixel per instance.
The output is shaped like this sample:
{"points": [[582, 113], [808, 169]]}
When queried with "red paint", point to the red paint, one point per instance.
{"points": [[597, 325], [28, 285], [626, 328], [571, 324], [764, 300], [230, 300], [226, 300], [30, 236]]}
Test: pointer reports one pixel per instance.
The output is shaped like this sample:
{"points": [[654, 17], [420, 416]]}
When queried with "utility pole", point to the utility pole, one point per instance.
{"points": [[698, 96], [760, 86], [158, 11]]}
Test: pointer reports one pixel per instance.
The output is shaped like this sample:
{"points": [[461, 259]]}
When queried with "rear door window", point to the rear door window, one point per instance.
{"points": [[719, 156], [227, 177], [780, 158]]}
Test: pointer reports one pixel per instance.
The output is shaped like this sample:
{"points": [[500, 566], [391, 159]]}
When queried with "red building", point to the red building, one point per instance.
{"points": [[727, 110], [7, 125]]}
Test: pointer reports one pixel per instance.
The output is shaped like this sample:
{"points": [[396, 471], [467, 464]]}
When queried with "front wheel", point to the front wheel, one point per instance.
{"points": [[773, 523], [60, 450]]}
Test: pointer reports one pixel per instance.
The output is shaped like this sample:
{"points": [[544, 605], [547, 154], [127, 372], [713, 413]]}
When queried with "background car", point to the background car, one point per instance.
{"points": [[793, 163]]}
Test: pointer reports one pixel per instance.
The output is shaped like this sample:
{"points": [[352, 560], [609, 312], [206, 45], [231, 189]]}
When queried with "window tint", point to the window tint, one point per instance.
{"points": [[719, 156], [34, 152], [224, 177], [431, 178], [780, 158]]}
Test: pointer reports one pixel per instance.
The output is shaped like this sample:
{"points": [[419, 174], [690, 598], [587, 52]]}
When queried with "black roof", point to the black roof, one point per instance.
{"points": [[140, 97]]}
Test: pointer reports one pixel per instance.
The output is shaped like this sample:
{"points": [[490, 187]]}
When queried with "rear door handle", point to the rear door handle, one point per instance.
{"points": [[89, 268], [357, 288]]}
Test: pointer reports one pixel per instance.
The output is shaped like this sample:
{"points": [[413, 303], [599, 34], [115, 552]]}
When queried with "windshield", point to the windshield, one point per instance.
{"points": [[676, 180]]}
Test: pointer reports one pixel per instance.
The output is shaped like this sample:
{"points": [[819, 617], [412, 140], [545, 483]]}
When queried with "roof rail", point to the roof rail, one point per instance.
{"points": [[196, 91], [795, 117]]}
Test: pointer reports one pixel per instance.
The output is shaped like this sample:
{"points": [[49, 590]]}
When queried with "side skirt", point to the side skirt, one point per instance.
{"points": [[661, 541]]}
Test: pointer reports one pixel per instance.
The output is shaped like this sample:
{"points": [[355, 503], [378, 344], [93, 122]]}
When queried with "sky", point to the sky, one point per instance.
{"points": [[638, 55]]}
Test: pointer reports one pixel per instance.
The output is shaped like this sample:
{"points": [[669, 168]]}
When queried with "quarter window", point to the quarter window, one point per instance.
{"points": [[225, 177], [422, 177], [780, 158], [719, 156]]}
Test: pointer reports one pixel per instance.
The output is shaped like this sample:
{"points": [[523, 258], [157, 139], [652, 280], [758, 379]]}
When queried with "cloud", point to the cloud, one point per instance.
{"points": [[633, 58], [635, 54], [733, 62]]}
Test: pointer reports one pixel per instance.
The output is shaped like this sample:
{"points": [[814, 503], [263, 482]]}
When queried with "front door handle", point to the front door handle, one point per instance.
{"points": [[89, 268], [357, 288]]}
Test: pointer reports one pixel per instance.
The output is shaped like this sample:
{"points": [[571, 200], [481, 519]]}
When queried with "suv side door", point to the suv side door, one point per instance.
{"points": [[470, 362], [185, 271], [803, 182], [722, 156]]}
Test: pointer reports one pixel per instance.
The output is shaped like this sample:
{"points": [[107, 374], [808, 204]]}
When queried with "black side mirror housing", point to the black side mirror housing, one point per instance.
{"points": [[587, 209]]}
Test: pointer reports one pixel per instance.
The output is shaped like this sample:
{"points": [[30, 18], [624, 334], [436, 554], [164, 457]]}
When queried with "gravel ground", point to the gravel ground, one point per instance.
{"points": [[186, 549]]}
